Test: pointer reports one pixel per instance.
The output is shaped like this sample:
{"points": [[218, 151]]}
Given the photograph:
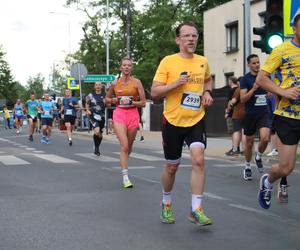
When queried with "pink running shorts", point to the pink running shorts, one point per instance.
{"points": [[127, 116]]}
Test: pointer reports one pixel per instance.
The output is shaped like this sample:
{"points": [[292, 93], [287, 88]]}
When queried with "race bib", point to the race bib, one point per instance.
{"points": [[97, 117], [260, 100], [47, 112], [69, 111], [19, 112], [125, 101], [191, 101]]}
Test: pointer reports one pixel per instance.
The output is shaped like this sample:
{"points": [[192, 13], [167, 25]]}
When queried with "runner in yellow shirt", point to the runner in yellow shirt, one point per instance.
{"points": [[184, 80], [285, 60]]}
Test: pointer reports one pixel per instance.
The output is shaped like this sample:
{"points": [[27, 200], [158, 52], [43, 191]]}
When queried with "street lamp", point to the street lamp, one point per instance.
{"points": [[69, 25]]}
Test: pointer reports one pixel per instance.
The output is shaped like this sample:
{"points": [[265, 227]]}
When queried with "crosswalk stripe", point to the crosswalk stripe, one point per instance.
{"points": [[143, 157], [137, 167], [54, 158], [2, 139], [12, 160], [101, 158], [30, 149]]}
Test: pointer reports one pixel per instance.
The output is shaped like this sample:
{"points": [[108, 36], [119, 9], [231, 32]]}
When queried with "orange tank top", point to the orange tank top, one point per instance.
{"points": [[125, 93]]}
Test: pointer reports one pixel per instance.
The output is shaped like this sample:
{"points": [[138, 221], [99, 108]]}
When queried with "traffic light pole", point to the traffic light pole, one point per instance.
{"points": [[247, 29]]}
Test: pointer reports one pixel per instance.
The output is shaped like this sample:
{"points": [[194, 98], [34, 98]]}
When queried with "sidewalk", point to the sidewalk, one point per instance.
{"points": [[216, 146]]}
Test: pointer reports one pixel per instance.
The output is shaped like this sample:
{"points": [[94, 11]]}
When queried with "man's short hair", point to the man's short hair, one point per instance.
{"points": [[187, 23], [296, 19], [250, 57]]}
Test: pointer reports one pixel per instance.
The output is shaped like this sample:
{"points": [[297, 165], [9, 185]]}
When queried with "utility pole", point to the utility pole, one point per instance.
{"points": [[107, 37], [247, 28], [128, 29]]}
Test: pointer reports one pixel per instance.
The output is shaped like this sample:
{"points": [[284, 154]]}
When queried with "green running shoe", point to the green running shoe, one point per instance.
{"points": [[127, 184], [166, 215], [199, 218]]}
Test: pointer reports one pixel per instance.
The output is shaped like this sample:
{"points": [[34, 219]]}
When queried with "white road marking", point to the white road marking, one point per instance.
{"points": [[12, 160], [101, 158], [2, 139], [143, 157], [30, 149], [233, 165], [138, 167], [54, 158], [38, 151]]}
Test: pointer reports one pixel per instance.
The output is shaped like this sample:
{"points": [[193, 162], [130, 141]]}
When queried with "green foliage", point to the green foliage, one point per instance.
{"points": [[152, 33], [9, 88]]}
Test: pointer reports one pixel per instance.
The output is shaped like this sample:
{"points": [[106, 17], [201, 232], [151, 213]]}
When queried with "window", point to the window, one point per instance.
{"points": [[231, 37], [227, 76]]}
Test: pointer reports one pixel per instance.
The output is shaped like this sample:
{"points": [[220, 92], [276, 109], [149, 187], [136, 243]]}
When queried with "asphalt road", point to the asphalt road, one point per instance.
{"points": [[60, 197]]}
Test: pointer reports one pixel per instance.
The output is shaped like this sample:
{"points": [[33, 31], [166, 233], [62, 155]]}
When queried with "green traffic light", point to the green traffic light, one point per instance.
{"points": [[274, 40]]}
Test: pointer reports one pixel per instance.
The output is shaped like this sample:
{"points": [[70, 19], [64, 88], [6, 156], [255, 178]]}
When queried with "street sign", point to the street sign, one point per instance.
{"points": [[99, 78], [72, 83], [291, 9], [78, 71]]}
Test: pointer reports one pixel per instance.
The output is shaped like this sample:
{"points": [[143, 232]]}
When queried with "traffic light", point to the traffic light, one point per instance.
{"points": [[261, 44], [274, 24], [271, 34]]}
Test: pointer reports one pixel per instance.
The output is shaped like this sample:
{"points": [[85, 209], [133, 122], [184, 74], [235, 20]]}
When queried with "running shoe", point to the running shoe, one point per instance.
{"points": [[166, 215], [49, 141], [264, 193], [199, 218], [232, 153], [282, 193], [30, 138], [274, 152], [259, 165], [70, 143], [43, 140], [247, 174], [97, 152], [142, 139], [127, 184], [18, 132]]}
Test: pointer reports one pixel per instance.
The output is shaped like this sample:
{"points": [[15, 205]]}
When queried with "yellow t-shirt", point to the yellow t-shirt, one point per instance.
{"points": [[6, 114], [183, 105], [285, 60]]}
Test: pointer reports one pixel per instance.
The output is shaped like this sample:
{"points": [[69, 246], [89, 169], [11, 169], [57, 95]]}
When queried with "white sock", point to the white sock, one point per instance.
{"points": [[125, 175], [70, 139], [196, 201], [258, 155], [248, 165], [167, 197], [267, 183]]}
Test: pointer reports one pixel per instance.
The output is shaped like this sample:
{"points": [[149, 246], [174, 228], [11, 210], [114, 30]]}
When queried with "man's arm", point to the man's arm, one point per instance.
{"points": [[159, 89], [207, 98], [263, 79], [245, 95]]}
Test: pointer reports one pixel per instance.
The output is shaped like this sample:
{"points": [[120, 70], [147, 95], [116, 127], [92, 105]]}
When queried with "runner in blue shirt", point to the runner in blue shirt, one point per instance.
{"points": [[257, 116], [18, 115], [46, 108], [68, 109]]}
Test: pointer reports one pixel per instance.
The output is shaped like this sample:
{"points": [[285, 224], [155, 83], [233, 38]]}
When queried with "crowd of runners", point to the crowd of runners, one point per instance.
{"points": [[184, 80]]}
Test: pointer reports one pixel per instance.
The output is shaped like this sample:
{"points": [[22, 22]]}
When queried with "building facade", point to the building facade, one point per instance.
{"points": [[224, 38]]}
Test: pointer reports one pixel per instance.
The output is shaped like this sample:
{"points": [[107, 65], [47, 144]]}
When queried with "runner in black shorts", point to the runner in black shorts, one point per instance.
{"points": [[95, 108], [68, 109], [175, 136], [256, 117]]}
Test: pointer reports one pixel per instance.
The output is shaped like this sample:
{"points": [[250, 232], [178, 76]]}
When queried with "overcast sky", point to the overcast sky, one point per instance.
{"points": [[34, 38]]}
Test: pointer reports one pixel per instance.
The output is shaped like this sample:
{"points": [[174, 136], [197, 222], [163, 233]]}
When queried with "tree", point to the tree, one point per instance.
{"points": [[36, 85], [9, 88]]}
